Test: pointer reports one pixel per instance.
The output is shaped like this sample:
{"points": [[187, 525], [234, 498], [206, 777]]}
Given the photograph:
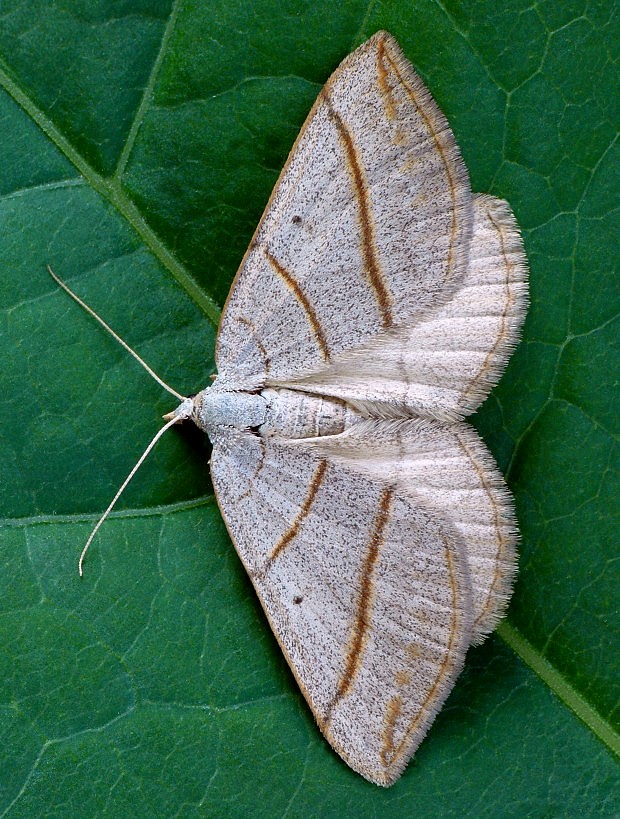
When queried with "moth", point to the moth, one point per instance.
{"points": [[376, 306]]}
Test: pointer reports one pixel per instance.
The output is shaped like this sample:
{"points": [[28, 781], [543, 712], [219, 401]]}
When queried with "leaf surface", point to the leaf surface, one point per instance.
{"points": [[141, 141]]}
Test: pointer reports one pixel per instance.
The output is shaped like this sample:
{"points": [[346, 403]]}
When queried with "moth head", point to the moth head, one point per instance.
{"points": [[184, 411]]}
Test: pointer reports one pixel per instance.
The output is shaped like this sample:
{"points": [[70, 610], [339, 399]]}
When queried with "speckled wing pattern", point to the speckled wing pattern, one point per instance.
{"points": [[371, 216], [375, 276], [366, 590]]}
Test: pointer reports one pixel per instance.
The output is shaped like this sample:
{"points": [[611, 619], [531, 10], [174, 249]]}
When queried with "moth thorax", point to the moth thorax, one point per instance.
{"points": [[214, 408], [293, 414]]}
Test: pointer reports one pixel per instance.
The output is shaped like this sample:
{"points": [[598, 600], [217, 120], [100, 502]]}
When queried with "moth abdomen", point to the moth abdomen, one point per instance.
{"points": [[294, 414]]}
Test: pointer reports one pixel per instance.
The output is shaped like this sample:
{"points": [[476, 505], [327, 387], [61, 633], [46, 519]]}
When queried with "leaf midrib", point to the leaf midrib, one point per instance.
{"points": [[560, 687], [90, 517], [111, 190]]}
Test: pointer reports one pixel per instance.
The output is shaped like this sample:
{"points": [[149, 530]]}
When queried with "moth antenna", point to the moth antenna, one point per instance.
{"points": [[181, 413], [114, 335]]}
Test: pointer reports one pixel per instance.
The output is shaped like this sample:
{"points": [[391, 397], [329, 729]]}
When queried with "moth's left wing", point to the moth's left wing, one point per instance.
{"points": [[446, 467], [366, 591], [367, 228]]}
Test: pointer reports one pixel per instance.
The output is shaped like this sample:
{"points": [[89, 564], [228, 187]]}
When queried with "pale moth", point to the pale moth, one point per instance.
{"points": [[376, 306]]}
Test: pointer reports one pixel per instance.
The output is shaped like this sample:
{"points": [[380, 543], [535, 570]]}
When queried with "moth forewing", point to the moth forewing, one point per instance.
{"points": [[366, 590]]}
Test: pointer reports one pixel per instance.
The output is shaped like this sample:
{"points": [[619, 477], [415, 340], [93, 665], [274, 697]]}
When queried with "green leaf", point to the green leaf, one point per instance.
{"points": [[141, 141]]}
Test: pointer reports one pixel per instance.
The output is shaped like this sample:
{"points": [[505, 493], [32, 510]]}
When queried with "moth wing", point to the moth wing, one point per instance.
{"points": [[366, 591], [446, 467], [444, 364], [368, 226]]}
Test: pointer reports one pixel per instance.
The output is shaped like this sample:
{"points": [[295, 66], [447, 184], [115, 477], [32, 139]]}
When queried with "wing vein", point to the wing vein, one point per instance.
{"points": [[447, 665]]}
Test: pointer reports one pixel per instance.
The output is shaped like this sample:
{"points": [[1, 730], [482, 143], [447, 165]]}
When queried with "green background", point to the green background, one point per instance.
{"points": [[140, 141]]}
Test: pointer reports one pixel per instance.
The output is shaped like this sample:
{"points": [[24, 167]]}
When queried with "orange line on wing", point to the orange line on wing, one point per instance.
{"points": [[259, 344], [361, 623], [303, 301], [392, 713], [498, 574], [447, 663], [382, 74], [292, 531], [369, 245], [442, 153]]}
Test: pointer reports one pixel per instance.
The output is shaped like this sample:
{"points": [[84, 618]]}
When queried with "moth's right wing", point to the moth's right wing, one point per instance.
{"points": [[366, 590]]}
